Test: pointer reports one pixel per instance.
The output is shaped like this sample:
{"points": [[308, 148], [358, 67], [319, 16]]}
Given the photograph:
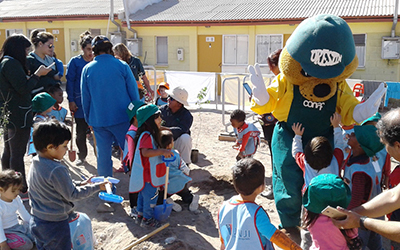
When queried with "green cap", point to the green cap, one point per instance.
{"points": [[326, 190], [374, 118], [323, 45], [41, 102], [368, 138], [144, 113], [133, 107]]}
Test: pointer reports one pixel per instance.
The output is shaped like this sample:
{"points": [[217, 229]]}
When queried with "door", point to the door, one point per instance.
{"points": [[209, 57], [59, 43]]}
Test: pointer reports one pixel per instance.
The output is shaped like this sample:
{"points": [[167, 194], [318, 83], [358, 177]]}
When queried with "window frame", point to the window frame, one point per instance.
{"points": [[236, 45], [269, 48], [15, 32], [361, 61], [157, 51]]}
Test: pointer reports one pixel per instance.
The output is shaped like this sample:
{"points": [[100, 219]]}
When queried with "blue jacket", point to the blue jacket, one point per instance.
{"points": [[107, 86], [73, 75], [179, 122]]}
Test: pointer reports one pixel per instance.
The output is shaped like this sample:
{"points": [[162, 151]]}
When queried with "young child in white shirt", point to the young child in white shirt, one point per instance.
{"points": [[14, 234]]}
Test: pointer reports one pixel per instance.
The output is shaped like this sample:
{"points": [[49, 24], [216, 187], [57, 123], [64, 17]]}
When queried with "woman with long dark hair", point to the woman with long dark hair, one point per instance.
{"points": [[16, 102], [43, 55], [74, 72]]}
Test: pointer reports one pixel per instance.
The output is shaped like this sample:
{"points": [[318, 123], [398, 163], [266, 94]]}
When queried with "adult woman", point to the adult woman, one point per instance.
{"points": [[123, 53], [74, 71], [43, 55], [268, 121], [15, 101], [107, 86]]}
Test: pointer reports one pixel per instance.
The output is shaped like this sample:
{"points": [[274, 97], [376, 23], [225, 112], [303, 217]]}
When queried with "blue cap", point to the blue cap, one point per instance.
{"points": [[323, 45], [98, 41], [133, 107]]}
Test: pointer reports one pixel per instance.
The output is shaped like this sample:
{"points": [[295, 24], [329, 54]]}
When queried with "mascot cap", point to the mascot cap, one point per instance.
{"points": [[323, 45]]}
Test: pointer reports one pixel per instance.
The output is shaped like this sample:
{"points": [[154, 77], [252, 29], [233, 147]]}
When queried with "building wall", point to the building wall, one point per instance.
{"points": [[186, 38]]}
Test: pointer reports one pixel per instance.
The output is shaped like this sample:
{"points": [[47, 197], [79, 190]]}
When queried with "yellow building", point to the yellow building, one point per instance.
{"points": [[209, 35]]}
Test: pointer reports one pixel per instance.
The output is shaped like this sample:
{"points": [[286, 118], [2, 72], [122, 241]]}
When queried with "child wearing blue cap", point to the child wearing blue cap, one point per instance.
{"points": [[327, 190], [42, 105], [363, 173], [148, 170]]}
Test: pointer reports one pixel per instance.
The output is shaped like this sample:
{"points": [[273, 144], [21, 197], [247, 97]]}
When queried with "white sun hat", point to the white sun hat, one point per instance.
{"points": [[179, 94]]}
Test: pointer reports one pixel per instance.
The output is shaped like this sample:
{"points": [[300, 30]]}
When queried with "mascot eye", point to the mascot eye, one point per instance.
{"points": [[305, 73]]}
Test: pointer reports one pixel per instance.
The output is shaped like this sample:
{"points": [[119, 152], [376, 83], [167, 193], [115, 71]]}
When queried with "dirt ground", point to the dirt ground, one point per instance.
{"points": [[211, 181]]}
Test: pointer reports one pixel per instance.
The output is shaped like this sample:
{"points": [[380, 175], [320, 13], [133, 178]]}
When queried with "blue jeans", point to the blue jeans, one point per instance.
{"points": [[147, 200], [370, 239], [51, 234], [105, 137]]}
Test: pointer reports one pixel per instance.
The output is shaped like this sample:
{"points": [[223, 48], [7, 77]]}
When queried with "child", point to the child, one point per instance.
{"points": [[129, 150], [363, 173], [57, 112], [147, 172], [242, 223], [248, 136], [163, 96], [52, 191], [13, 235], [178, 177], [42, 104], [318, 157], [327, 190], [395, 215]]}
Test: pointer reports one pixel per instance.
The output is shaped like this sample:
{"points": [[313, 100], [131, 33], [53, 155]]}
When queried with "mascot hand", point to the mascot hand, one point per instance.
{"points": [[260, 94], [368, 108]]}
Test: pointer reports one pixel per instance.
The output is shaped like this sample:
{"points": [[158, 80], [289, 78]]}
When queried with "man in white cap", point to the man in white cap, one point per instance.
{"points": [[179, 120]]}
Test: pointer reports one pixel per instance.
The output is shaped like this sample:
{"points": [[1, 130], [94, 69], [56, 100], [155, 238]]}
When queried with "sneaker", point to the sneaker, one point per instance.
{"points": [[80, 162], [175, 206], [134, 213], [269, 194], [195, 203], [138, 219], [149, 223]]}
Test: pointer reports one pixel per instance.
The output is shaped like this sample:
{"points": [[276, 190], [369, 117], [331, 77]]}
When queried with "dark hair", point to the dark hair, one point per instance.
{"points": [[54, 88], [15, 46], [248, 175], [104, 46], [389, 127], [50, 132], [273, 58], [318, 153], [37, 37], [166, 138], [238, 115], [9, 178], [308, 218], [150, 126], [85, 38]]}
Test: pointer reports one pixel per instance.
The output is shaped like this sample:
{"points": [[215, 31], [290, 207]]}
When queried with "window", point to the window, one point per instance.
{"points": [[11, 32], [162, 50], [235, 49], [95, 32], [360, 41], [265, 45]]}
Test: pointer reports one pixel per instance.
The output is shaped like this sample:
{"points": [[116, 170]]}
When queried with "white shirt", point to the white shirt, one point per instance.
{"points": [[8, 215]]}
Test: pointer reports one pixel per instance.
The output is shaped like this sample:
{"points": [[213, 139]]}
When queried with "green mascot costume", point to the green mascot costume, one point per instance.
{"points": [[317, 58]]}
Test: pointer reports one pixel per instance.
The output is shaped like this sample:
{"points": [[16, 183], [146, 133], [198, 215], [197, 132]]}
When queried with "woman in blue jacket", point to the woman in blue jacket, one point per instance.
{"points": [[74, 72]]}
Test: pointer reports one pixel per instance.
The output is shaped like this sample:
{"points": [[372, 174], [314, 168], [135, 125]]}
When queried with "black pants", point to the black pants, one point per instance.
{"points": [[268, 131], [81, 128], [15, 144], [185, 194]]}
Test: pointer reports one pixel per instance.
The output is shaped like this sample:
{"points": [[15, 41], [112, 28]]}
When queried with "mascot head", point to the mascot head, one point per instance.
{"points": [[319, 54]]}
